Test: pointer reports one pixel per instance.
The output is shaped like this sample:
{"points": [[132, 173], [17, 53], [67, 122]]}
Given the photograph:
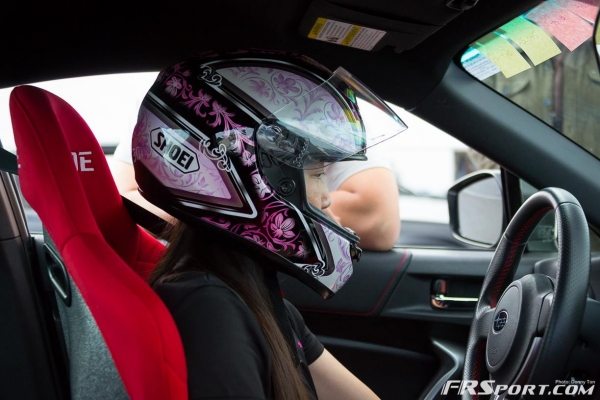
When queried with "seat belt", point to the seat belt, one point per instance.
{"points": [[144, 218], [283, 320], [281, 313]]}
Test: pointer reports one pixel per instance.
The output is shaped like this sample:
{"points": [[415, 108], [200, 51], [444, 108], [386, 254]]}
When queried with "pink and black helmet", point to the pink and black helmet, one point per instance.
{"points": [[223, 142]]}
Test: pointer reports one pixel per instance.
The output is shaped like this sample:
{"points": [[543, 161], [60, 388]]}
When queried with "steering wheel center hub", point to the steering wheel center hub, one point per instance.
{"points": [[514, 325], [504, 328]]}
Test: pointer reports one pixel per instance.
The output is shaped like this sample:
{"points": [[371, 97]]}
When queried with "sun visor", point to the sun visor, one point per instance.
{"points": [[364, 28]]}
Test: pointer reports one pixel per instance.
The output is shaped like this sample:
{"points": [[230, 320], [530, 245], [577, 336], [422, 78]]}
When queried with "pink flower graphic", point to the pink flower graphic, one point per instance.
{"points": [[198, 102], [254, 237], [301, 252], [218, 111], [261, 187], [282, 227], [222, 117], [260, 88], [286, 85], [342, 265], [335, 113], [248, 159], [178, 69], [173, 86]]}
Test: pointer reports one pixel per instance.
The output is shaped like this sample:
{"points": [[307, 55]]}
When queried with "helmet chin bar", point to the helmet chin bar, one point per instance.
{"points": [[355, 251], [290, 185]]}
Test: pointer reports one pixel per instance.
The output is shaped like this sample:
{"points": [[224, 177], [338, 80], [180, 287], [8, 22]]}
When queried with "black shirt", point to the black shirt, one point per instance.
{"points": [[226, 352]]}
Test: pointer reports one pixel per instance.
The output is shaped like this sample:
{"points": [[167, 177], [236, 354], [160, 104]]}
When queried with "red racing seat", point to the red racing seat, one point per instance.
{"points": [[64, 176]]}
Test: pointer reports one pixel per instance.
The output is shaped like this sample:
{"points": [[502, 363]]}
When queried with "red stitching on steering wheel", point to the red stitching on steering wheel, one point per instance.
{"points": [[479, 356], [514, 244]]}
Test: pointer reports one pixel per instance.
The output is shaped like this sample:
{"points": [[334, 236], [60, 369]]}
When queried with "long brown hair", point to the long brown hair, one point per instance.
{"points": [[242, 273]]}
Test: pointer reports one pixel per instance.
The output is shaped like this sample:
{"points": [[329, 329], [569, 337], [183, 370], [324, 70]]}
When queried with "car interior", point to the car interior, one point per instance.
{"points": [[79, 318]]}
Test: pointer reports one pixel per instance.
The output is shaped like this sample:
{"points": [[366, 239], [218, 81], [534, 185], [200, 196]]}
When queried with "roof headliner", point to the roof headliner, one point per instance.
{"points": [[83, 40]]}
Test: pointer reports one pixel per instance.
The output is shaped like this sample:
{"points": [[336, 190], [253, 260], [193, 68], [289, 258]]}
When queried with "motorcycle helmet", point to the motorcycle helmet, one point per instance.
{"points": [[224, 142]]}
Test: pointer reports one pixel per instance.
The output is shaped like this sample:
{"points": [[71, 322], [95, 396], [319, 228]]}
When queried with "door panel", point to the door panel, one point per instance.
{"points": [[463, 271], [372, 282], [30, 364], [382, 324], [388, 370]]}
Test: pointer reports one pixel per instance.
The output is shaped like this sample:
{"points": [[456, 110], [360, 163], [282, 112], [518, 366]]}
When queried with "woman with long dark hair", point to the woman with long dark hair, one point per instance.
{"points": [[236, 147]]}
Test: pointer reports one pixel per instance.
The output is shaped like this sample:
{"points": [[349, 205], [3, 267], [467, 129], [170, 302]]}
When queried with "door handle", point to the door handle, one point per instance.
{"points": [[442, 301]]}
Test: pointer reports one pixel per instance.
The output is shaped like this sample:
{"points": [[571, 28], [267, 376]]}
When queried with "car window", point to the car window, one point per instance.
{"points": [[543, 238], [425, 160], [108, 103], [544, 61]]}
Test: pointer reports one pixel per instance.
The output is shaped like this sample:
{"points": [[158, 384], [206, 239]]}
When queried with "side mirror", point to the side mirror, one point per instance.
{"points": [[476, 208]]}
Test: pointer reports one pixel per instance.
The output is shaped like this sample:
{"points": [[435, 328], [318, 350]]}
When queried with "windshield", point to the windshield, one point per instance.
{"points": [[544, 61]]}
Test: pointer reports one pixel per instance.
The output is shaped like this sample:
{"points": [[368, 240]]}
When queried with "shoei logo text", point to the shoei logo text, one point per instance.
{"points": [[500, 321], [170, 147], [489, 387]]}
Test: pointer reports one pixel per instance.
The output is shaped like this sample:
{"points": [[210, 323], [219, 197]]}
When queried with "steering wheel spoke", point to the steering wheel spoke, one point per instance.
{"points": [[483, 322], [545, 310]]}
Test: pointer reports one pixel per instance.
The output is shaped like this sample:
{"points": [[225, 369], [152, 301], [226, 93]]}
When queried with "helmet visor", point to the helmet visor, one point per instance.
{"points": [[334, 121]]}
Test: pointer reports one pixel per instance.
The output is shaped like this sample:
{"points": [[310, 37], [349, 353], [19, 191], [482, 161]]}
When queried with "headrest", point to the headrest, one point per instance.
{"points": [[67, 130]]}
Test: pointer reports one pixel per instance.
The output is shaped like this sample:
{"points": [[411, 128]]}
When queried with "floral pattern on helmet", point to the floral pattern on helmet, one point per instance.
{"points": [[202, 104], [340, 252], [275, 88], [277, 232]]}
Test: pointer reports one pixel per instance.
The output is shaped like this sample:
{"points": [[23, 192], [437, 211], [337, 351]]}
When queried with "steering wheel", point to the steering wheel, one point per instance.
{"points": [[523, 330]]}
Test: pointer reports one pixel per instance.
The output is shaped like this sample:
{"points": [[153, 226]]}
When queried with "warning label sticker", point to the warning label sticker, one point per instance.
{"points": [[345, 34]]}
